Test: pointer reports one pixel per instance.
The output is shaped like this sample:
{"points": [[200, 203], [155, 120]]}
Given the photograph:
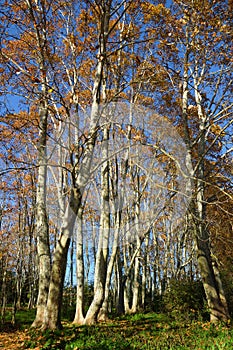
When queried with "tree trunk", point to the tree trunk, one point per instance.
{"points": [[79, 318], [212, 283], [103, 313], [3, 296], [42, 230], [120, 286], [102, 253], [52, 318], [145, 274], [136, 285]]}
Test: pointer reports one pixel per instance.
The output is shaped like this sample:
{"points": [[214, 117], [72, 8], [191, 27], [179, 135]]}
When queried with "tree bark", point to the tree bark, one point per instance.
{"points": [[52, 318], [42, 230], [103, 313], [102, 253], [79, 317]]}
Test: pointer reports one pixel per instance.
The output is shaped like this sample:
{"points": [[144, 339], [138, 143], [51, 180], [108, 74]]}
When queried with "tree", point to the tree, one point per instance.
{"points": [[102, 89], [205, 85]]}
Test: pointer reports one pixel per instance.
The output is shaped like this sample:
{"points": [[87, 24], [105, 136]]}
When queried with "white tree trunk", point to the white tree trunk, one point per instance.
{"points": [[102, 252], [103, 313], [79, 318]]}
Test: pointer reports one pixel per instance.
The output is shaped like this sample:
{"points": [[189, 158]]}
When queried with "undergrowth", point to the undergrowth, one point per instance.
{"points": [[140, 331]]}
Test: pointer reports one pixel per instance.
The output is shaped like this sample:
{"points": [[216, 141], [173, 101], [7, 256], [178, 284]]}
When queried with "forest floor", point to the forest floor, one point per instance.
{"points": [[141, 331], [13, 339]]}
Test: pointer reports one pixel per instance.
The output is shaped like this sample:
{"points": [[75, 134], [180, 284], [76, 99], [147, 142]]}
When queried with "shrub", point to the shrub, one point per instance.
{"points": [[184, 298]]}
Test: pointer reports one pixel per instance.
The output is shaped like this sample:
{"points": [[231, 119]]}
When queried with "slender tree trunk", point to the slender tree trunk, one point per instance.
{"points": [[120, 285], [126, 285], [79, 318], [3, 296], [136, 285], [127, 296], [102, 253], [37, 17], [42, 231], [31, 267], [145, 274], [103, 313]]}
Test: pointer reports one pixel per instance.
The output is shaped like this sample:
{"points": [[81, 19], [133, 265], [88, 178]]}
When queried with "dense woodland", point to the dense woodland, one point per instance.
{"points": [[116, 157]]}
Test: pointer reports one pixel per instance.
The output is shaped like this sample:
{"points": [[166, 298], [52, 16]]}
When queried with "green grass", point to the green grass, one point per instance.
{"points": [[140, 331], [23, 319]]}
